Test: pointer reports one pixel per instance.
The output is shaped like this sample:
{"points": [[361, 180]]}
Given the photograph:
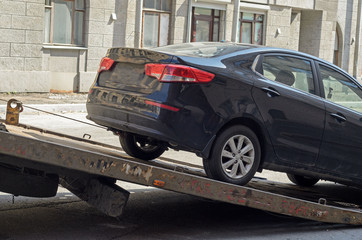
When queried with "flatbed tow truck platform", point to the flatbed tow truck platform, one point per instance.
{"points": [[33, 161]]}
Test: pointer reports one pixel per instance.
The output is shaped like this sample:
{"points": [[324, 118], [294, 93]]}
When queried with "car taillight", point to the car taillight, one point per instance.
{"points": [[106, 64], [177, 73]]}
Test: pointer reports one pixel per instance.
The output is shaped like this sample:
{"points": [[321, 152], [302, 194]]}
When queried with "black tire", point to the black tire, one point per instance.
{"points": [[237, 160], [302, 180], [141, 147]]}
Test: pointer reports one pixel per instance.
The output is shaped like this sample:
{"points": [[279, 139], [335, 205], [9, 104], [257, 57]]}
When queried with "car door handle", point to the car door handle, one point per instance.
{"points": [[340, 117], [270, 91]]}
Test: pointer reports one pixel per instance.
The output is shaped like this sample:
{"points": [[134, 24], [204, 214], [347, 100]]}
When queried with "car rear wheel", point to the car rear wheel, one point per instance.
{"points": [[302, 180], [235, 156], [141, 147]]}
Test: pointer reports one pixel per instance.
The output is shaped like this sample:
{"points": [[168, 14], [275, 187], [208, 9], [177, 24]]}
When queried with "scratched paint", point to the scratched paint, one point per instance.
{"points": [[245, 197], [197, 186], [104, 165], [137, 171], [101, 165], [14, 149], [107, 166]]}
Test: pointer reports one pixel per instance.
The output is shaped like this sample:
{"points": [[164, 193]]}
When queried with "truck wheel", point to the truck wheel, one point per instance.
{"points": [[140, 147], [235, 156], [302, 180]]}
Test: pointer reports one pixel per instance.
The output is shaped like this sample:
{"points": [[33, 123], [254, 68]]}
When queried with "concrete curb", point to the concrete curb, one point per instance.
{"points": [[54, 108]]}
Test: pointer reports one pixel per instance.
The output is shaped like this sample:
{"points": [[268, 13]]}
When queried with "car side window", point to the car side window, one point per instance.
{"points": [[341, 90], [294, 72]]}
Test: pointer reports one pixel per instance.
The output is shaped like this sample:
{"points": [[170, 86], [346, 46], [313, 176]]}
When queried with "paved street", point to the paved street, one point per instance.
{"points": [[150, 213]]}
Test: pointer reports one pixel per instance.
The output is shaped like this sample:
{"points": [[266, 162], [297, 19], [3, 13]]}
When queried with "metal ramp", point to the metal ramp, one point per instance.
{"points": [[58, 153]]}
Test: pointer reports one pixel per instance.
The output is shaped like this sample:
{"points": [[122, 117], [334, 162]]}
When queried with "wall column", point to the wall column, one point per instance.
{"points": [[357, 53]]}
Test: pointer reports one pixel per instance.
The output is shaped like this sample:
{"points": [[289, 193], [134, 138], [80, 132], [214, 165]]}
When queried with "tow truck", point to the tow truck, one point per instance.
{"points": [[34, 161]]}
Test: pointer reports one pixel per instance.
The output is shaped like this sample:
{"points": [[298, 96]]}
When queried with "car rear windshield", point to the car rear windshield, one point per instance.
{"points": [[205, 49]]}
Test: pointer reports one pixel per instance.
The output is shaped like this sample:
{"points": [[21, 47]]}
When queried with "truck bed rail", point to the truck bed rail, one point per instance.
{"points": [[58, 153]]}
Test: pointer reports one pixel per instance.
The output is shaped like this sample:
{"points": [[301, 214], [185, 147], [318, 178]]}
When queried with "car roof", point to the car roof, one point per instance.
{"points": [[229, 49], [205, 49]]}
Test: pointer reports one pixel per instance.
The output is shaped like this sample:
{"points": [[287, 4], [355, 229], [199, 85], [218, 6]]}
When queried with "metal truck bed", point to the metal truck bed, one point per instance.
{"points": [[60, 154]]}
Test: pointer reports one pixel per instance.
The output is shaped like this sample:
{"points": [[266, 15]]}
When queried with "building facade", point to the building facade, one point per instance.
{"points": [[56, 45]]}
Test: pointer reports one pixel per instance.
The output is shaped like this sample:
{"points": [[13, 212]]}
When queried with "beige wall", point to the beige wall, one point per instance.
{"points": [[311, 32], [299, 4], [178, 23], [347, 16], [26, 64], [294, 32], [228, 20], [278, 27], [21, 37]]}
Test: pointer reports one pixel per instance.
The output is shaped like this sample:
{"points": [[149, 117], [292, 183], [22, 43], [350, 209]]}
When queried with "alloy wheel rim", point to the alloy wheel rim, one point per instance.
{"points": [[237, 156]]}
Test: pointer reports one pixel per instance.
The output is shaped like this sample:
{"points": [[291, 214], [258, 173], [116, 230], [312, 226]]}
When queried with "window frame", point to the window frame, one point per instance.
{"points": [[344, 74], [253, 22], [51, 24], [159, 13], [257, 67], [211, 20]]}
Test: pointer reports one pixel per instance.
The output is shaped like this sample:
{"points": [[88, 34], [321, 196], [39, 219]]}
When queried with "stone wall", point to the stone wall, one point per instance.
{"points": [[347, 14], [26, 64], [310, 32], [278, 27], [294, 32], [228, 24], [298, 4], [101, 33], [178, 22], [328, 31], [100, 30], [21, 38]]}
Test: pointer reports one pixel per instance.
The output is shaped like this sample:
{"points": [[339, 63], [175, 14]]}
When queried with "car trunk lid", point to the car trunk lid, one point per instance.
{"points": [[128, 70]]}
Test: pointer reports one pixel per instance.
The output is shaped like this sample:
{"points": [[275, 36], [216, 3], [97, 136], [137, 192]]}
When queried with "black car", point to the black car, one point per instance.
{"points": [[242, 108]]}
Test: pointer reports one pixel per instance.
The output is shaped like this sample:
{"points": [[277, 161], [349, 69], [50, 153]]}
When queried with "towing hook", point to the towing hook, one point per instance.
{"points": [[14, 107], [86, 135]]}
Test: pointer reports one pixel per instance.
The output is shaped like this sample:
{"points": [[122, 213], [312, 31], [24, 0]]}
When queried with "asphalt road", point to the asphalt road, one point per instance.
{"points": [[150, 213]]}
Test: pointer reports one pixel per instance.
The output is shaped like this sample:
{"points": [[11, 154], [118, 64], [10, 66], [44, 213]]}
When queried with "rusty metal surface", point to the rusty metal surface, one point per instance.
{"points": [[14, 107], [106, 162], [62, 135], [60, 138]]}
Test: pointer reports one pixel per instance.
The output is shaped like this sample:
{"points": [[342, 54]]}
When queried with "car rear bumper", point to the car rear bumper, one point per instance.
{"points": [[165, 126], [123, 120]]}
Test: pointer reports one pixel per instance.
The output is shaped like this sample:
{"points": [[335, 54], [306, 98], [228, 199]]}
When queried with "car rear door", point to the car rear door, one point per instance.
{"points": [[294, 116], [341, 149]]}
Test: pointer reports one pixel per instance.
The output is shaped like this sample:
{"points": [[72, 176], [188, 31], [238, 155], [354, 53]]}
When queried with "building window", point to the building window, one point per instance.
{"points": [[156, 22], [205, 25], [64, 20], [251, 28]]}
